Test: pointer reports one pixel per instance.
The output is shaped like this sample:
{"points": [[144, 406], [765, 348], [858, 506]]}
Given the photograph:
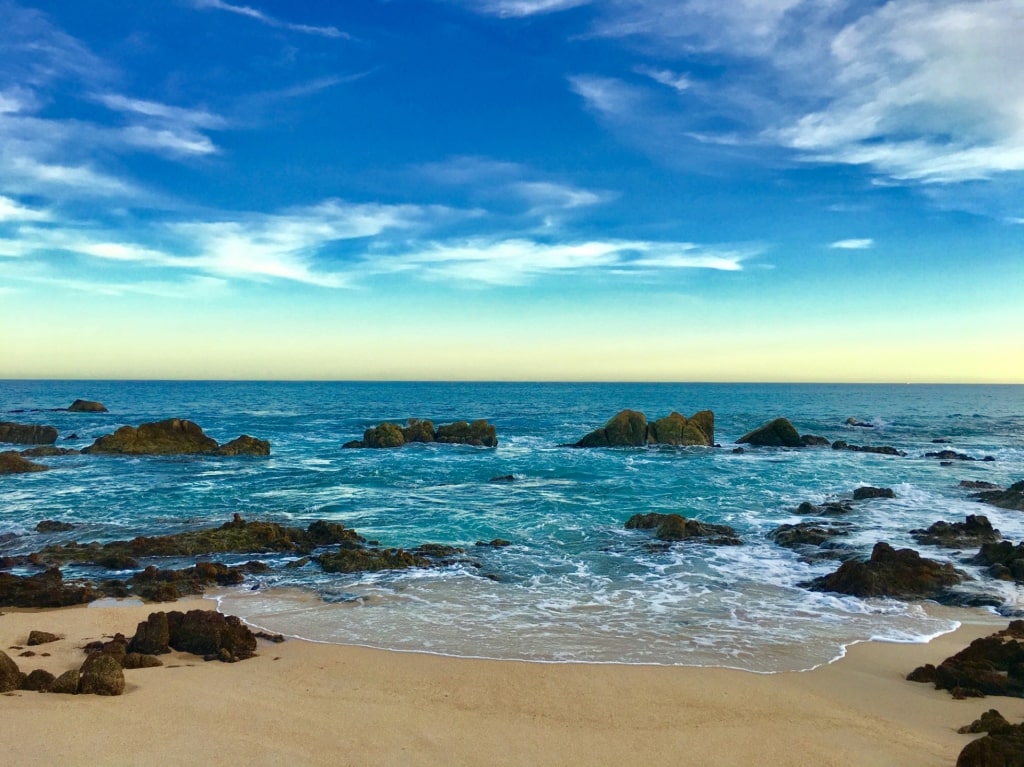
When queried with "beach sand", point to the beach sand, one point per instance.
{"points": [[301, 703]]}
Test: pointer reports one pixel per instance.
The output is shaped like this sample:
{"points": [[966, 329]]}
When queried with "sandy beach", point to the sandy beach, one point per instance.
{"points": [[306, 703]]}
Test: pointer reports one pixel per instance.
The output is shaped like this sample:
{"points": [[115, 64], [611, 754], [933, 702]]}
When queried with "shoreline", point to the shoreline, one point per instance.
{"points": [[305, 702]]}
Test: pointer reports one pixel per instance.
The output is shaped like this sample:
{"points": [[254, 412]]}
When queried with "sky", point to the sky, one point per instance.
{"points": [[605, 190]]}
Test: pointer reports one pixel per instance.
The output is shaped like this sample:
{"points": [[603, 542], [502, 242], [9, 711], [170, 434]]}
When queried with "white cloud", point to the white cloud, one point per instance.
{"points": [[854, 244], [264, 18], [520, 8], [674, 80], [606, 95], [12, 210], [199, 118]]}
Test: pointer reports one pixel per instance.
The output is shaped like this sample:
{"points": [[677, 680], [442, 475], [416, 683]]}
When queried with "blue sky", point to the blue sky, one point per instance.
{"points": [[513, 189]]}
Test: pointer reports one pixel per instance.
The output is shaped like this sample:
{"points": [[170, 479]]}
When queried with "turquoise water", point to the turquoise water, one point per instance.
{"points": [[574, 585]]}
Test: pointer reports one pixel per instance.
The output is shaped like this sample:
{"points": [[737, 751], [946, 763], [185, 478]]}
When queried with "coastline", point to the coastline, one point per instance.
{"points": [[305, 702]]}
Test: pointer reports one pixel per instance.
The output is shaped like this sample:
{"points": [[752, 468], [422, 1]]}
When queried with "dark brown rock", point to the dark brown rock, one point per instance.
{"points": [[876, 449], [974, 531], [11, 677], [978, 484], [87, 406], [1011, 498], [101, 674], [990, 721], [134, 660], [173, 436], [900, 573], [211, 634], [811, 440], [27, 433], [53, 526], [777, 433], [851, 421], [630, 428], [625, 429], [384, 435], [827, 509], [1004, 560], [805, 534], [41, 637], [48, 451], [38, 680], [152, 636], [675, 527], [13, 462], [1000, 748], [66, 683], [245, 445], [866, 493], [46, 589], [479, 433], [992, 665]]}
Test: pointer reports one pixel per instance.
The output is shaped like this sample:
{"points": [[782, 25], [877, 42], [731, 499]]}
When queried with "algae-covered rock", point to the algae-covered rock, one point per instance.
{"points": [[38, 680], [992, 665], [152, 636], [48, 451], [479, 433], [627, 428], [13, 462], [46, 589], [11, 677], [245, 445], [211, 634], [156, 585], [174, 436], [53, 526], [87, 406], [351, 559], [777, 433], [630, 428], [974, 531], [101, 674], [36, 637], [676, 527], [27, 433], [418, 431], [66, 683], [900, 573], [808, 534], [384, 435]]}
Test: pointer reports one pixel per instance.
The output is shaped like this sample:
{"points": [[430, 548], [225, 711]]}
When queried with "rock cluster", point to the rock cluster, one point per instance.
{"points": [[992, 665], [675, 527], [974, 531], [899, 573], [630, 428], [173, 436], [1011, 498], [27, 434], [1003, 746], [1004, 560], [479, 433]]}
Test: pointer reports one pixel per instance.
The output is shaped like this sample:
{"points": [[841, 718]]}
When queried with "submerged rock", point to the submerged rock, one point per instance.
{"points": [[867, 493], [851, 421], [992, 665], [777, 433], [352, 559], [13, 462], [87, 406], [978, 484], [630, 428], [876, 449], [53, 526], [675, 527], [974, 531], [1011, 498], [808, 534], [48, 451], [952, 455], [899, 573], [27, 434]]}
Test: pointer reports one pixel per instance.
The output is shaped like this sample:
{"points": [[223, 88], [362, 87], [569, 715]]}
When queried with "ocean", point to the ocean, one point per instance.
{"points": [[574, 585]]}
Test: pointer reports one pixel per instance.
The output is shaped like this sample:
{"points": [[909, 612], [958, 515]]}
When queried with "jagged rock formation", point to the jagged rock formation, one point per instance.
{"points": [[630, 428], [1011, 498], [777, 433], [27, 434], [900, 573], [974, 531], [992, 665], [173, 436]]}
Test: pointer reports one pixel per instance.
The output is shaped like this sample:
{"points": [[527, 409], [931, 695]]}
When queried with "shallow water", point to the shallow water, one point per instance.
{"points": [[574, 585]]}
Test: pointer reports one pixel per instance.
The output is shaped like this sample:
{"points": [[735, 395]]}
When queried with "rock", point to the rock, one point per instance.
{"points": [[101, 674], [87, 406], [952, 455], [990, 721], [978, 484], [12, 462], [675, 527], [827, 509], [974, 531], [1011, 498], [66, 683], [992, 665], [1004, 560], [46, 589], [11, 677], [27, 434], [867, 492], [38, 680], [630, 428], [805, 534], [418, 431], [358, 559], [152, 636], [811, 440], [173, 436], [777, 433], [503, 478], [134, 660], [53, 526], [899, 573], [478, 433], [383, 436], [497, 543], [851, 421], [41, 637], [1001, 748], [245, 445], [877, 449], [158, 585], [48, 451], [275, 638], [211, 634]]}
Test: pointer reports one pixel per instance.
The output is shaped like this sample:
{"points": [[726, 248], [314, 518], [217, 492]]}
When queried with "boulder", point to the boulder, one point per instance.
{"points": [[812, 440], [46, 589], [990, 721], [1004, 560], [675, 527], [101, 674], [479, 433], [974, 531], [66, 683], [1011, 498], [1003, 747], [27, 434], [899, 573], [11, 677], [992, 665], [827, 509], [152, 636], [38, 680], [418, 431], [245, 445], [777, 433], [174, 436], [876, 449], [211, 634], [12, 462], [807, 534], [625, 429], [87, 406], [383, 436], [867, 492], [53, 526], [630, 428], [41, 637]]}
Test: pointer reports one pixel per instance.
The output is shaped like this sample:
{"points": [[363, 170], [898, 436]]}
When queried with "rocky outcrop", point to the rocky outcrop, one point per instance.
{"points": [[101, 674], [827, 509], [630, 428], [13, 462], [675, 527], [210, 634], [867, 493], [992, 665], [952, 455], [157, 585], [174, 436], [1011, 498], [479, 433], [1002, 747], [27, 434], [974, 531], [1004, 560], [809, 535], [46, 589], [87, 406], [899, 573], [48, 451], [354, 559], [777, 433], [876, 449]]}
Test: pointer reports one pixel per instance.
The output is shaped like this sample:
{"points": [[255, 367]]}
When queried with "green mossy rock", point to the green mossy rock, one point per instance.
{"points": [[174, 436], [40, 637], [101, 674], [676, 527], [13, 462], [418, 431], [478, 433], [777, 433], [66, 683], [11, 677], [384, 435], [245, 445], [627, 428], [631, 428], [27, 434]]}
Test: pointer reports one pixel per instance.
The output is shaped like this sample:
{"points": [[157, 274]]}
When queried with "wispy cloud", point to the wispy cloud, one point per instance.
{"points": [[674, 80], [272, 21], [854, 244], [12, 210], [520, 8]]}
